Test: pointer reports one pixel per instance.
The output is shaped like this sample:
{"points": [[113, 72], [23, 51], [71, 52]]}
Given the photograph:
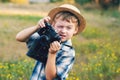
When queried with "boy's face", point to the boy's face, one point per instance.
{"points": [[65, 29]]}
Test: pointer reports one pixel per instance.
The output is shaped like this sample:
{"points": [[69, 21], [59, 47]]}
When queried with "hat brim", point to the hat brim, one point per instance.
{"points": [[82, 22]]}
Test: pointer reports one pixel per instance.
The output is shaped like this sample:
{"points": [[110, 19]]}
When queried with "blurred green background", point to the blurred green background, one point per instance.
{"points": [[97, 48]]}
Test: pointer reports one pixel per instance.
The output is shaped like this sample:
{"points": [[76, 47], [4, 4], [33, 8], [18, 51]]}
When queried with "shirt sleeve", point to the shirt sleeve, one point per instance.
{"points": [[64, 63]]}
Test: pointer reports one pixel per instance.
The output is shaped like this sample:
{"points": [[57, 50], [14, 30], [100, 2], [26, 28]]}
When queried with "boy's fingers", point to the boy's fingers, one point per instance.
{"points": [[47, 19], [55, 45], [41, 23]]}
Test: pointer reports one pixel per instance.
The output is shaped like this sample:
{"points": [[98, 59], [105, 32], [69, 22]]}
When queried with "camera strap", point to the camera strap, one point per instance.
{"points": [[67, 46]]}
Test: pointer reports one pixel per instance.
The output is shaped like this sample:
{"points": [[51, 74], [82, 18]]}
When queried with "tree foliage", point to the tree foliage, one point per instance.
{"points": [[82, 1]]}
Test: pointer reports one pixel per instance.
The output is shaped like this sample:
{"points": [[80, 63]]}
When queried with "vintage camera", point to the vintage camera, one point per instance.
{"points": [[40, 46]]}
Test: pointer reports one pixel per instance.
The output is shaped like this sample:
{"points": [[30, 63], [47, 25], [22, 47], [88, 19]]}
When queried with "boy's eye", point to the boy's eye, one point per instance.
{"points": [[59, 26], [68, 27]]}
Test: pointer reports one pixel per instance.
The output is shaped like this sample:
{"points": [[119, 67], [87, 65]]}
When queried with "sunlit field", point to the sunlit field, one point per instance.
{"points": [[97, 48]]}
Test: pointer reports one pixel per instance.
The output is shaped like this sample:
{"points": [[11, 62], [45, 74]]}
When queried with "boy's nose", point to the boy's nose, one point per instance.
{"points": [[63, 30]]}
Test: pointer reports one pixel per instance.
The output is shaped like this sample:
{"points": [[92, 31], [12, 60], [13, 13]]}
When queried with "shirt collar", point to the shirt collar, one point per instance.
{"points": [[68, 42]]}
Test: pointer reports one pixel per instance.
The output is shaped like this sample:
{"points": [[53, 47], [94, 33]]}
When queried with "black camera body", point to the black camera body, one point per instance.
{"points": [[40, 46]]}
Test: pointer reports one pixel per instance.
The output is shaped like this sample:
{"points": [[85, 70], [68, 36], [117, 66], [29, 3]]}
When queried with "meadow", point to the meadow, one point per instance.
{"points": [[97, 48]]}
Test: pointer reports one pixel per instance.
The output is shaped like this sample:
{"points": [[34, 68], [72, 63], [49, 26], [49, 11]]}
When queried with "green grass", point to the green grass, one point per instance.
{"points": [[97, 48]]}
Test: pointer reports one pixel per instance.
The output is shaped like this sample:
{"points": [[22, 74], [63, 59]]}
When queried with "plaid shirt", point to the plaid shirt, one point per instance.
{"points": [[64, 61]]}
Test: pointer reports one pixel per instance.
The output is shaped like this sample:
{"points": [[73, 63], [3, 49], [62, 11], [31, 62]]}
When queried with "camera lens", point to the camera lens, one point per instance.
{"points": [[44, 38]]}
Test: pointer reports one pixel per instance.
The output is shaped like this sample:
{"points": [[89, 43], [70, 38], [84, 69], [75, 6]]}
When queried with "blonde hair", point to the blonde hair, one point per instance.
{"points": [[67, 16]]}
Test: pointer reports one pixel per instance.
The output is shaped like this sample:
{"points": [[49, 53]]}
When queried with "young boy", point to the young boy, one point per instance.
{"points": [[67, 22]]}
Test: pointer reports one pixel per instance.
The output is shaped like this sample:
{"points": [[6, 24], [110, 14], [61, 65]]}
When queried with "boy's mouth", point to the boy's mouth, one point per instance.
{"points": [[62, 36]]}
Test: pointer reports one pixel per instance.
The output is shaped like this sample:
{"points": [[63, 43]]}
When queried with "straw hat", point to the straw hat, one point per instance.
{"points": [[72, 9]]}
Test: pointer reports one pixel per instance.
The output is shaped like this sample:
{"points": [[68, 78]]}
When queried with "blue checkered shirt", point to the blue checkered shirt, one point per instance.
{"points": [[64, 61]]}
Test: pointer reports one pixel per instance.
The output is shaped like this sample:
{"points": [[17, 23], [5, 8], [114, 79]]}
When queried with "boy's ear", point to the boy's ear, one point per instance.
{"points": [[76, 30]]}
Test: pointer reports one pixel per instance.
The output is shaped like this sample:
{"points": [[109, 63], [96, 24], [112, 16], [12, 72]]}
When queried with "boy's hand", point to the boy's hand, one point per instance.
{"points": [[54, 47], [41, 22]]}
